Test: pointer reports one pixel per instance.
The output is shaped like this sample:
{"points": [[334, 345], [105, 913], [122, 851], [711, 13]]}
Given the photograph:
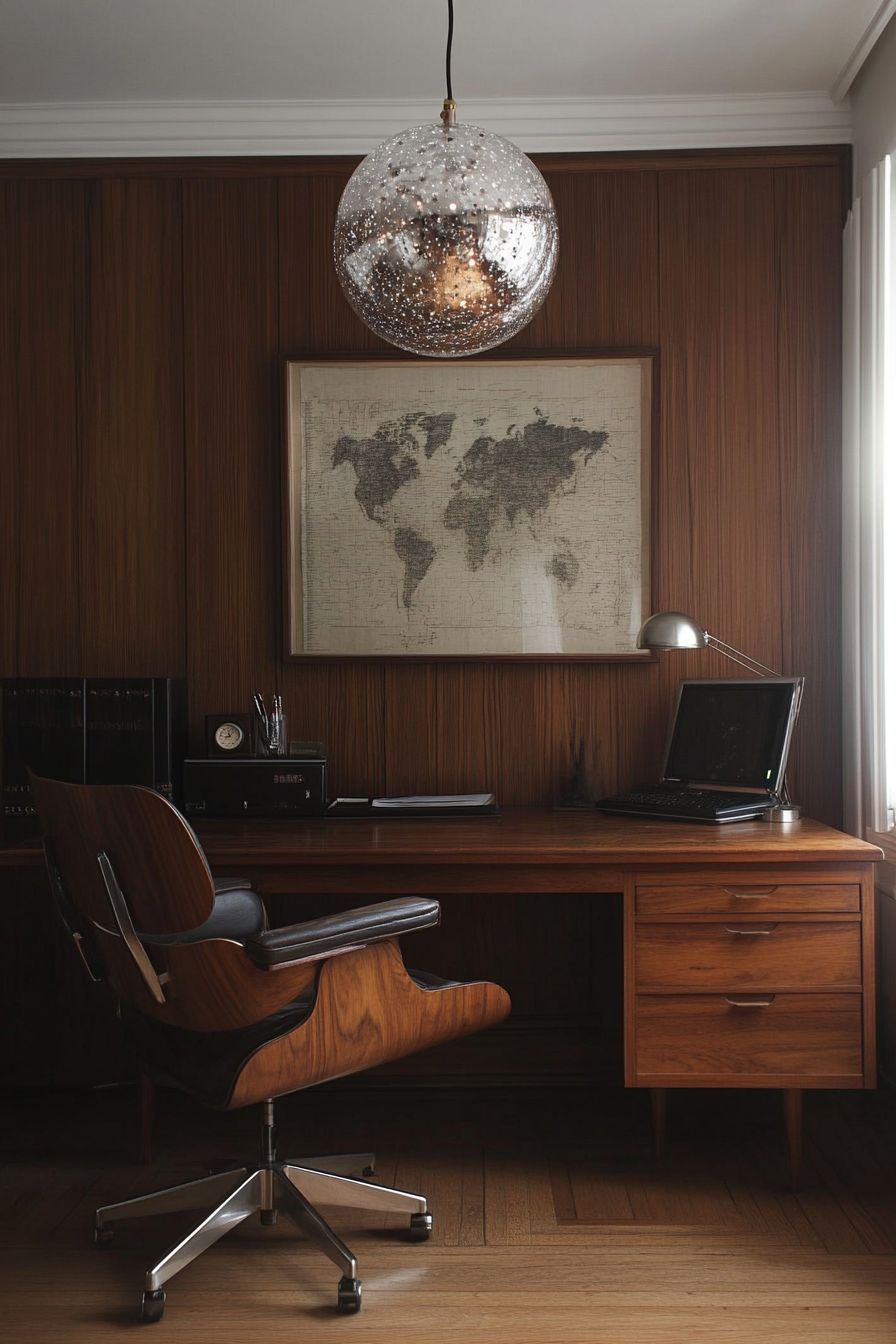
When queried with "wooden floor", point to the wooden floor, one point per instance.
{"points": [[553, 1222]]}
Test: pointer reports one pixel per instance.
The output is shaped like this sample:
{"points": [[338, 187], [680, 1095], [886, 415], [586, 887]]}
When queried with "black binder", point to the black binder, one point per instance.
{"points": [[125, 730], [136, 732]]}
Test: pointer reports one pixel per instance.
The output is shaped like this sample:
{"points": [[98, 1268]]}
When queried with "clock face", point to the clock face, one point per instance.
{"points": [[229, 736]]}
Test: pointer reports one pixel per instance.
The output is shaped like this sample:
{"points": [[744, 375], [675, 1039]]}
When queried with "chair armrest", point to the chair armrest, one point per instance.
{"points": [[337, 933]]}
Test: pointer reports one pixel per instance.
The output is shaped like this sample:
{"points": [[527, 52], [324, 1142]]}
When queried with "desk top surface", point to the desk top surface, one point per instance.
{"points": [[520, 836]]}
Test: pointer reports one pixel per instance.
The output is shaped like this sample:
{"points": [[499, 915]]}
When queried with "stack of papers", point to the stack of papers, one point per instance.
{"points": [[438, 800]]}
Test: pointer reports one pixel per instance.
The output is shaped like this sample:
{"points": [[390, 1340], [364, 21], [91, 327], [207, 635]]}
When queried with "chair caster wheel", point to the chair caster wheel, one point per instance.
{"points": [[103, 1236], [421, 1226], [153, 1306], [348, 1295], [368, 1173]]}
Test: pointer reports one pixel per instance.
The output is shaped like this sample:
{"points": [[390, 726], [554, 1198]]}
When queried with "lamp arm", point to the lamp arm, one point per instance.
{"points": [[751, 664]]}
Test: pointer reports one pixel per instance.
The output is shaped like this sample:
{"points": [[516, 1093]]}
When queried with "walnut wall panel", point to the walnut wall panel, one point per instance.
{"points": [[718, 510], [468, 728], [232, 427], [47, 243], [147, 309], [132, 577], [809, 410], [411, 728], [343, 704], [9, 423]]}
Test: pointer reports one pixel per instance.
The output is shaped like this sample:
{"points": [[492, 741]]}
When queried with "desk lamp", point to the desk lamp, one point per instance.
{"points": [[675, 630]]}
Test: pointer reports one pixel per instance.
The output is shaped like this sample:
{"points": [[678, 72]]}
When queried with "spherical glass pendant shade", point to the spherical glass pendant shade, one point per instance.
{"points": [[446, 240]]}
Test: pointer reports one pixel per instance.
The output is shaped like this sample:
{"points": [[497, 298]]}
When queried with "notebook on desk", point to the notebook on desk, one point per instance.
{"points": [[726, 752], [418, 805]]}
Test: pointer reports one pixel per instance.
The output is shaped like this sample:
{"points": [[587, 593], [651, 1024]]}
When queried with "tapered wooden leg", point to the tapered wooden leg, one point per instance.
{"points": [[658, 1116], [147, 1103], [793, 1116]]}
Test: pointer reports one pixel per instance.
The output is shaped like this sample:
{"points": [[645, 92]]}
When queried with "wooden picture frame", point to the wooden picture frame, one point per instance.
{"points": [[487, 509]]}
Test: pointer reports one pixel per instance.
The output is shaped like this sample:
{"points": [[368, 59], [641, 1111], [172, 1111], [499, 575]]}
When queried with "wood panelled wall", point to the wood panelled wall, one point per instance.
{"points": [[145, 311]]}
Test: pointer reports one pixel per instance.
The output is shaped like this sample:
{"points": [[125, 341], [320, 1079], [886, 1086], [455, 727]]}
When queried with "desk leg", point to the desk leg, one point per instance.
{"points": [[793, 1116], [658, 1116]]}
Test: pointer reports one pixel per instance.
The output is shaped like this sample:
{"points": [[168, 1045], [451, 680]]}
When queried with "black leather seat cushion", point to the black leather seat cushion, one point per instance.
{"points": [[238, 913], [205, 1064]]}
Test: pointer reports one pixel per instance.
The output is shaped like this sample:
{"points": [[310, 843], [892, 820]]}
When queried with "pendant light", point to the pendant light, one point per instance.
{"points": [[446, 237]]}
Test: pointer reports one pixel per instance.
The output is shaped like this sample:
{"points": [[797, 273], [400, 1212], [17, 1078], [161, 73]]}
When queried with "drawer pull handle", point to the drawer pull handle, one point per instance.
{"points": [[750, 895], [751, 1003], [750, 933]]}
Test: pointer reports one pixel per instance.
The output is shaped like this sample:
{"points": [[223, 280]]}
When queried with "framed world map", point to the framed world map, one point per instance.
{"points": [[488, 508]]}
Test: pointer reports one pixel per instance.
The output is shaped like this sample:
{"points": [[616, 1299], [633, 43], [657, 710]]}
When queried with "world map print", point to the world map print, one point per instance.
{"points": [[468, 510]]}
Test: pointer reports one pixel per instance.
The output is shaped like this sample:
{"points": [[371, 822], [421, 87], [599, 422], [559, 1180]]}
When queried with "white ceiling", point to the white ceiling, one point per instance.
{"points": [[84, 55], [123, 50]]}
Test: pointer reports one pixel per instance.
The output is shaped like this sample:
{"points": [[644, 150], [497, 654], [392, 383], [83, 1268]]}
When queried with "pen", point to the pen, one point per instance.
{"points": [[277, 727], [262, 714]]}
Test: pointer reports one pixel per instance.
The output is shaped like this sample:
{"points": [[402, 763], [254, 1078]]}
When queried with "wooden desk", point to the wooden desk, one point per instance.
{"points": [[749, 948], [717, 921]]}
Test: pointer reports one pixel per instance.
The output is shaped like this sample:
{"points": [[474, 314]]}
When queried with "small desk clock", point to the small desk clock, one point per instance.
{"points": [[229, 735]]}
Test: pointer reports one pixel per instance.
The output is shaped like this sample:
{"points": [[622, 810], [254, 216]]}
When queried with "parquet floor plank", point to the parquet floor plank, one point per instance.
{"points": [[553, 1222], [497, 1294], [519, 1202], [454, 1183]]}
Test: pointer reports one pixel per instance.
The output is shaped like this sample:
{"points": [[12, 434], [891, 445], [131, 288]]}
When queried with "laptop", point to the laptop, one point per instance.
{"points": [[726, 752]]}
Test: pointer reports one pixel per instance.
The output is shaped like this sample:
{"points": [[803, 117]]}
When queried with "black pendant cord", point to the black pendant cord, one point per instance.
{"points": [[448, 52]]}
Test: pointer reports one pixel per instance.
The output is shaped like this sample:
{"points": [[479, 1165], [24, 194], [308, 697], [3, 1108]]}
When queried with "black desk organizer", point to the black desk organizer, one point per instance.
{"points": [[264, 786]]}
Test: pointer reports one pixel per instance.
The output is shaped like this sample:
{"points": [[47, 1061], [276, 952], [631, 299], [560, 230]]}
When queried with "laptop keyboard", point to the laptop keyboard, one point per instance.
{"points": [[673, 802]]}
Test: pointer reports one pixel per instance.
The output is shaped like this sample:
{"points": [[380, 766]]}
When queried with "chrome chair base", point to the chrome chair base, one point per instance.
{"points": [[273, 1187]]}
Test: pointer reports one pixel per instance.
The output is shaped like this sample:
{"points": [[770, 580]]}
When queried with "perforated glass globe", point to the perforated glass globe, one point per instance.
{"points": [[446, 240]]}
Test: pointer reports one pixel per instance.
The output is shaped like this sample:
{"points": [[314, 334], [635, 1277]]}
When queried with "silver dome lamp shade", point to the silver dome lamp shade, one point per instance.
{"points": [[674, 630], [671, 630], [446, 237]]}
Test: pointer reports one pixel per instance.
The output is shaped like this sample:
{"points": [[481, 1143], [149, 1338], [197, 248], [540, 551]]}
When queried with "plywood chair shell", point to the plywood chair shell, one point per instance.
{"points": [[211, 986], [214, 986], [167, 884], [367, 1011]]}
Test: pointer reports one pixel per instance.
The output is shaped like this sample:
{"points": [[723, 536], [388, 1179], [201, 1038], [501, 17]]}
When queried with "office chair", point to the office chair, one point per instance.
{"points": [[234, 1013]]}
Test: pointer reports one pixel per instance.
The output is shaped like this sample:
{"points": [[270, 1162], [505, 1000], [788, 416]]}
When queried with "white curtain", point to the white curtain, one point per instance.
{"points": [[869, 507]]}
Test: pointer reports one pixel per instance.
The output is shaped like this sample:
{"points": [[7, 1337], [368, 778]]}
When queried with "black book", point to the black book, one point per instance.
{"points": [[43, 730], [136, 732], [126, 730]]}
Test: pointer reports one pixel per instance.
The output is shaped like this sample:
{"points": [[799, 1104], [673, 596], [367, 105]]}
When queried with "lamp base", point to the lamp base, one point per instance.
{"points": [[783, 812]]}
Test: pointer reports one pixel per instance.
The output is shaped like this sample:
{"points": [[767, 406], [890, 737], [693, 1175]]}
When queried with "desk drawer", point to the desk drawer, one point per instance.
{"points": [[705, 1036], [746, 954], [744, 898]]}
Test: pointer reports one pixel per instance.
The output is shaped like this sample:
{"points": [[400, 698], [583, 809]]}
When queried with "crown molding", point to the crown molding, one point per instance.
{"points": [[865, 46], [332, 127]]}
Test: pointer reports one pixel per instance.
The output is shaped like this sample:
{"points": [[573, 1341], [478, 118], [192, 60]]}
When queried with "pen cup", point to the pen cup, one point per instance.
{"points": [[262, 735], [278, 740], [271, 737]]}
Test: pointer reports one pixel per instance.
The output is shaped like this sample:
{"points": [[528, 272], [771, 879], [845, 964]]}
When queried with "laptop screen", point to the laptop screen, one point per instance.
{"points": [[733, 732]]}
